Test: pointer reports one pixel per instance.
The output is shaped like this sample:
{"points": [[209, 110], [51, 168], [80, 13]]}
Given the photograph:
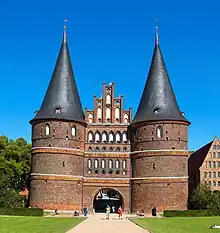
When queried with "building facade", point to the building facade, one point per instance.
{"points": [[103, 156], [204, 166]]}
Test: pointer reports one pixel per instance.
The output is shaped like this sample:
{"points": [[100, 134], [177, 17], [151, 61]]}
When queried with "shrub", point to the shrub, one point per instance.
{"points": [[188, 213], [22, 211]]}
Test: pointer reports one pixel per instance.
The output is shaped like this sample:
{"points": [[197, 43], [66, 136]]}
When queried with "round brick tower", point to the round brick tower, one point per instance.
{"points": [[159, 136], [58, 142]]}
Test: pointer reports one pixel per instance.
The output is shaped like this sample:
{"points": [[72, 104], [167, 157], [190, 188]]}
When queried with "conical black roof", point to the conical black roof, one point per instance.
{"points": [[158, 101], [62, 98]]}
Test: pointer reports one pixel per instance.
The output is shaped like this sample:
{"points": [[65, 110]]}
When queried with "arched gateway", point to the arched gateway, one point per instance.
{"points": [[107, 196]]}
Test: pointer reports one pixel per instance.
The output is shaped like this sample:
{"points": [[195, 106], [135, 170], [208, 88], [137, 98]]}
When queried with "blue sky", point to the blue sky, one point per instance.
{"points": [[111, 41]]}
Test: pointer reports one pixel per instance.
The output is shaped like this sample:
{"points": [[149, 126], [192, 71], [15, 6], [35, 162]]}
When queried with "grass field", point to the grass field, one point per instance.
{"points": [[11, 224], [179, 225]]}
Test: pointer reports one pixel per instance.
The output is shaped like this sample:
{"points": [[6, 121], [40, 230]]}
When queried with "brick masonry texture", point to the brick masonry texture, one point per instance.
{"points": [[56, 194], [154, 172], [161, 195]]}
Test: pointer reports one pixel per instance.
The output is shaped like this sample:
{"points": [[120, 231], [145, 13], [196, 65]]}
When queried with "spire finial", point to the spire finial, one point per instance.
{"points": [[157, 36], [64, 32]]}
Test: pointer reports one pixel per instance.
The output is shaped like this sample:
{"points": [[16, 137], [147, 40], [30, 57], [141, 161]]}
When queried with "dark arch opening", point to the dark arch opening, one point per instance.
{"points": [[107, 196]]}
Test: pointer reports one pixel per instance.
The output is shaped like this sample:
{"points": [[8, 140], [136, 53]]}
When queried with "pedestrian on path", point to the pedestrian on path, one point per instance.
{"points": [[107, 211], [113, 209], [85, 211], [120, 212]]}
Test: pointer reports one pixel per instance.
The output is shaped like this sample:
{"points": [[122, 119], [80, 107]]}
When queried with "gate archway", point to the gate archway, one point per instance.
{"points": [[107, 196]]}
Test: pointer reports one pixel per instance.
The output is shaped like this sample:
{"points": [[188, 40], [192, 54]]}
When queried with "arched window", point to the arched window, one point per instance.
{"points": [[73, 131], [111, 137], [90, 118], [125, 149], [104, 137], [96, 163], [89, 163], [108, 114], [218, 183], [103, 163], [124, 165], [117, 164], [210, 174], [213, 164], [117, 114], [108, 99], [118, 137], [124, 137], [97, 148], [125, 118], [118, 149], [110, 164], [210, 183], [90, 148], [214, 183], [97, 137], [210, 164], [104, 149], [47, 129], [110, 149], [99, 113], [205, 174], [90, 137], [159, 132]]}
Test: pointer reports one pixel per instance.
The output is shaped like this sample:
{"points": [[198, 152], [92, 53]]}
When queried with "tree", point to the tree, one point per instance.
{"points": [[15, 161], [201, 197]]}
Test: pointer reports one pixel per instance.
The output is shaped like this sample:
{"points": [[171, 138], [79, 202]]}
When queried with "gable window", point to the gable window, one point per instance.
{"points": [[99, 113], [124, 137], [118, 137], [218, 163], [90, 118], [125, 118], [210, 174], [218, 174], [108, 99], [214, 183], [97, 137], [117, 114], [214, 155], [218, 183], [73, 131], [205, 174], [218, 155], [214, 174], [108, 114], [90, 137], [104, 137], [47, 129], [210, 164], [159, 132]]}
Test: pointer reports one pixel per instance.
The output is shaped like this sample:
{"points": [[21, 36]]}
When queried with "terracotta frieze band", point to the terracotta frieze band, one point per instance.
{"points": [[152, 153], [57, 150], [108, 154]]}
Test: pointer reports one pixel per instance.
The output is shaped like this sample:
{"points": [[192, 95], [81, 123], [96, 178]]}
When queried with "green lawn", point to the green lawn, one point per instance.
{"points": [[11, 224], [179, 224]]}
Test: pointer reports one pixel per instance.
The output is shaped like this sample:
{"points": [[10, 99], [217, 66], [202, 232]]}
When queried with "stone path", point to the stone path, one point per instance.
{"points": [[98, 224]]}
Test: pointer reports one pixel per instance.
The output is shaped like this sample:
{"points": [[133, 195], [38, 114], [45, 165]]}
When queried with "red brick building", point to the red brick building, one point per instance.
{"points": [[103, 156]]}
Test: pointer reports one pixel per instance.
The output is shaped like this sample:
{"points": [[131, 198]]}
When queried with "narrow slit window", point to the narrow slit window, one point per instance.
{"points": [[73, 131], [47, 129]]}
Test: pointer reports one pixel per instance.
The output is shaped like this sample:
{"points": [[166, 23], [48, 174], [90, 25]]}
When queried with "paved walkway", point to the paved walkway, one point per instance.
{"points": [[98, 224]]}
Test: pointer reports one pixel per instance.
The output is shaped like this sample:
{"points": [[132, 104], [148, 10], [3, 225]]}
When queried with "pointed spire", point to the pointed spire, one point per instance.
{"points": [[158, 101], [62, 100], [157, 36]]}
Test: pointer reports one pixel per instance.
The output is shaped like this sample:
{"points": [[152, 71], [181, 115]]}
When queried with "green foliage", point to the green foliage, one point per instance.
{"points": [[188, 213], [15, 165], [22, 211], [15, 161], [201, 198]]}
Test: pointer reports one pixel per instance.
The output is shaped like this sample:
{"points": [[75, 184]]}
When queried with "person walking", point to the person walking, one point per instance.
{"points": [[107, 211], [113, 209], [85, 211], [120, 212]]}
